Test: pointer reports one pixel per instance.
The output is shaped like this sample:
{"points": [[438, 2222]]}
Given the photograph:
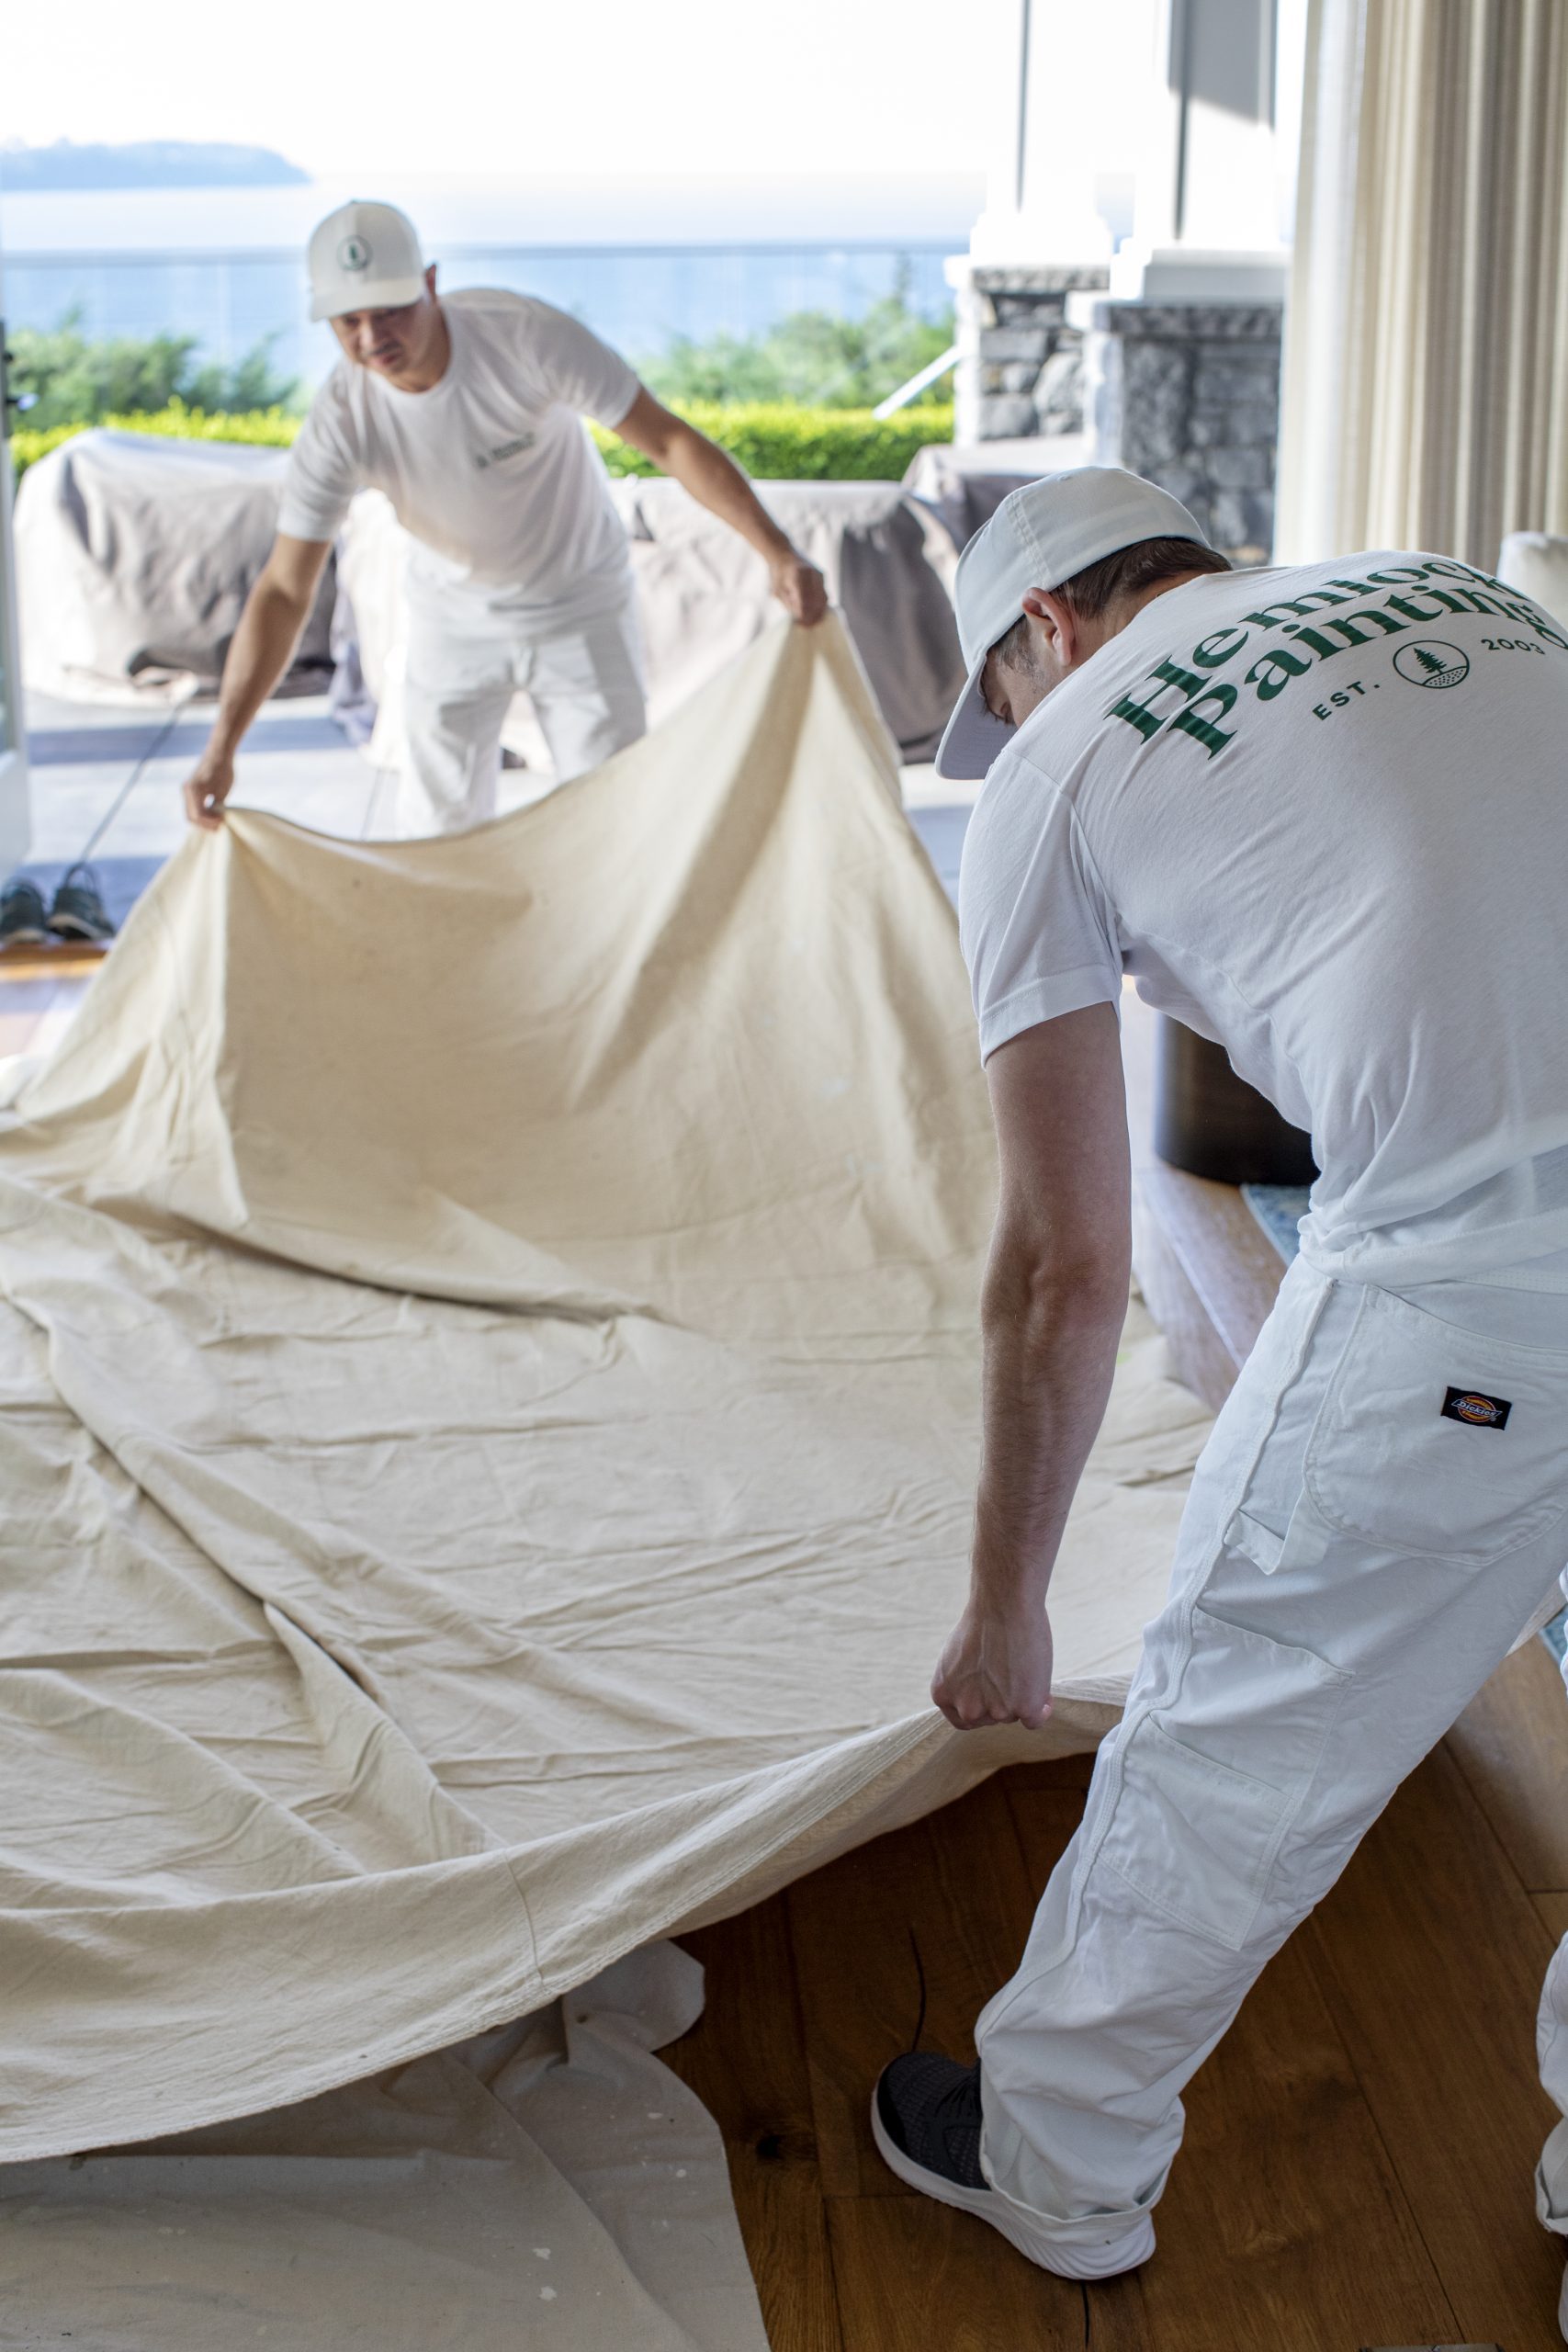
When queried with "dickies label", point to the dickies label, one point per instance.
{"points": [[1475, 1410]]}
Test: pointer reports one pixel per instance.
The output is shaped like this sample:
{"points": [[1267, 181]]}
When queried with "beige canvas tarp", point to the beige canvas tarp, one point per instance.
{"points": [[488, 1344]]}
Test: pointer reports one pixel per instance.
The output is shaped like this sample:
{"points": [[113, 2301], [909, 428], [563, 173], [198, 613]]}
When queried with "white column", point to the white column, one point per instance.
{"points": [[1214, 187], [1063, 124]]}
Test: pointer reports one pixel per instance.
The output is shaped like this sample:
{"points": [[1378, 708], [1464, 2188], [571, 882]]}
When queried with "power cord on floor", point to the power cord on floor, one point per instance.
{"points": [[125, 789], [921, 1981]]}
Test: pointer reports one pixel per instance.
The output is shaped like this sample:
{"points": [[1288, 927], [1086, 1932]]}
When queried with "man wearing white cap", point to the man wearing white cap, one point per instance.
{"points": [[1319, 815], [467, 410]]}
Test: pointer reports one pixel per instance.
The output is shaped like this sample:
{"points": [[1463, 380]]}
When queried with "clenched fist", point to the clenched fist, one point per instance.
{"points": [[997, 1668], [801, 590]]}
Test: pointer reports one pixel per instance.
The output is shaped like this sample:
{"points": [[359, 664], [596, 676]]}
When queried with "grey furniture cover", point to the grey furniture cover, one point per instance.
{"points": [[134, 557], [703, 596]]}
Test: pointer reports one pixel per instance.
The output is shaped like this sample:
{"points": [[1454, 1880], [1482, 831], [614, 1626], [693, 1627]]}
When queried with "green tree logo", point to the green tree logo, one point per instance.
{"points": [[1432, 663]]}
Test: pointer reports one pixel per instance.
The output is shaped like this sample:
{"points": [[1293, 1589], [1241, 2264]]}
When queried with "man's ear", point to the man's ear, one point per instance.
{"points": [[430, 281], [1060, 623]]}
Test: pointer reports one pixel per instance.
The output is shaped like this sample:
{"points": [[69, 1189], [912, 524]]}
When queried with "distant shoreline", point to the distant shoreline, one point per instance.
{"points": [[546, 215], [68, 167]]}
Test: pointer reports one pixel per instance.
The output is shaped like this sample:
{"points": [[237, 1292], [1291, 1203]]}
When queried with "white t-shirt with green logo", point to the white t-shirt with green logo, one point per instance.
{"points": [[1321, 815], [492, 470]]}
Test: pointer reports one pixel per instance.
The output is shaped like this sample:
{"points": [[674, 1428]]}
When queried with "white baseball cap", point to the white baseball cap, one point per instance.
{"points": [[363, 257], [1040, 536]]}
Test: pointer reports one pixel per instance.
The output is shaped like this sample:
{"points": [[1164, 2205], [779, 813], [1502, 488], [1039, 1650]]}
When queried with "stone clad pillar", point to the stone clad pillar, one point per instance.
{"points": [[1187, 394], [1020, 363]]}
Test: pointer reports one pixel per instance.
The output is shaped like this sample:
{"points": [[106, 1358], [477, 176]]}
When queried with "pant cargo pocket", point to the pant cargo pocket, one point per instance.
{"points": [[1210, 1785]]}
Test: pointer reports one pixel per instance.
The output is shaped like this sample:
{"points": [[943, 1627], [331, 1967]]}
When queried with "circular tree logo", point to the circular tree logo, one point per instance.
{"points": [[353, 254], [1432, 663]]}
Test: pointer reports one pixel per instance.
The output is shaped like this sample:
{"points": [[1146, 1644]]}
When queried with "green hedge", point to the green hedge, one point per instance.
{"points": [[772, 440], [778, 443]]}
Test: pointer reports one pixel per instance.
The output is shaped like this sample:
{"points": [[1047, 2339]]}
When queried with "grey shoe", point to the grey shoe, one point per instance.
{"points": [[23, 918], [926, 2118], [78, 911], [929, 2108]]}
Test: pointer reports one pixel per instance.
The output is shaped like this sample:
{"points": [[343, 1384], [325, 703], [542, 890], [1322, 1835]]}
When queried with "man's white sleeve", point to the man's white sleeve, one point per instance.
{"points": [[574, 367], [322, 478], [1037, 932]]}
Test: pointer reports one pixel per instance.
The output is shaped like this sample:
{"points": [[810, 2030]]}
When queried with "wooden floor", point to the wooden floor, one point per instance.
{"points": [[1358, 2167], [1360, 2149]]}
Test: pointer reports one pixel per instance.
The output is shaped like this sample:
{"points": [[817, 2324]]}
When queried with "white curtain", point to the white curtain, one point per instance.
{"points": [[1426, 396]]}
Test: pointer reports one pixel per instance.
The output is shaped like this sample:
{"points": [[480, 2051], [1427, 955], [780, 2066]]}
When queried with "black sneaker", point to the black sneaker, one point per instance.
{"points": [[23, 919], [926, 2119], [928, 2108], [78, 911]]}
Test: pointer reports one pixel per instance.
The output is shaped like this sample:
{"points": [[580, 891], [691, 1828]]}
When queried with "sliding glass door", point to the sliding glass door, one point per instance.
{"points": [[15, 822]]}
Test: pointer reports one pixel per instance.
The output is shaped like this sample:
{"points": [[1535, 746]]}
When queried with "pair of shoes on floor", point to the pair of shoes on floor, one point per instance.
{"points": [[926, 2118], [77, 910]]}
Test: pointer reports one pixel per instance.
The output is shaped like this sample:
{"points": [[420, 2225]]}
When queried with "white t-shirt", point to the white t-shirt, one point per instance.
{"points": [[492, 470], [1321, 815]]}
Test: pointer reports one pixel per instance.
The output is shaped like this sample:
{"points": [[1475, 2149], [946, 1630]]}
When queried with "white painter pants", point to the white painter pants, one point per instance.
{"points": [[1353, 1563], [466, 657]]}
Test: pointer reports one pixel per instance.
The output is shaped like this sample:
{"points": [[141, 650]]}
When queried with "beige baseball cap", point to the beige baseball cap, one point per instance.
{"points": [[1040, 536], [363, 257]]}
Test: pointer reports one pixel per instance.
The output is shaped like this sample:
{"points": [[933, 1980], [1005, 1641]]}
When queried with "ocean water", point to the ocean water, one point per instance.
{"points": [[636, 299], [226, 267]]}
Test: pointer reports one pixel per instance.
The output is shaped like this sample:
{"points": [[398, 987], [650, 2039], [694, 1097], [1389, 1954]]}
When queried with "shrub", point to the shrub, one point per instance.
{"points": [[771, 439], [778, 442], [811, 359]]}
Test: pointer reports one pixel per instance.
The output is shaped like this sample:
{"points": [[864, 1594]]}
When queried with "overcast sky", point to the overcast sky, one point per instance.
{"points": [[486, 87]]}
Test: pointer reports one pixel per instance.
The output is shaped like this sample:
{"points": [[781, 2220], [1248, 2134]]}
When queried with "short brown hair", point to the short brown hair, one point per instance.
{"points": [[1132, 570], [1099, 585]]}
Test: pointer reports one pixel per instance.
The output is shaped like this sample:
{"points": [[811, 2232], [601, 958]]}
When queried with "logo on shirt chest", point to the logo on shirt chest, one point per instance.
{"points": [[484, 458]]}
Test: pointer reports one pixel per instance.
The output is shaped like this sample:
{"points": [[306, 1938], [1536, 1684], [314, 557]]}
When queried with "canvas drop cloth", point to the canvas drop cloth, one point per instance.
{"points": [[488, 1351], [548, 2186]]}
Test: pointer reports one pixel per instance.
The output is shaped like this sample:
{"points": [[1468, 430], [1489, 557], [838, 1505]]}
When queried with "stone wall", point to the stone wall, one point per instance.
{"points": [[1020, 363], [1187, 394]]}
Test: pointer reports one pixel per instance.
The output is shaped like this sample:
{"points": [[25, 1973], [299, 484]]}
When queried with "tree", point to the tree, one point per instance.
{"points": [[76, 382], [811, 357]]}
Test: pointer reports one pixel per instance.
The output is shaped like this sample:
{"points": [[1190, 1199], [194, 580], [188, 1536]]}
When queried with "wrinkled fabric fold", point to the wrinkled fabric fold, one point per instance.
{"points": [[488, 1351]]}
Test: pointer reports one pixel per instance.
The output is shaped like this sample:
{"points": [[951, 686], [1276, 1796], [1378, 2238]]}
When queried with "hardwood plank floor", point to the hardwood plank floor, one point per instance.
{"points": [[1511, 1744], [1430, 1955]]}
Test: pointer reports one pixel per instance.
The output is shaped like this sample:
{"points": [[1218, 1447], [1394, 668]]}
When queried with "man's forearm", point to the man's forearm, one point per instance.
{"points": [[715, 482], [258, 655], [1050, 1352]]}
